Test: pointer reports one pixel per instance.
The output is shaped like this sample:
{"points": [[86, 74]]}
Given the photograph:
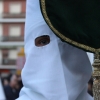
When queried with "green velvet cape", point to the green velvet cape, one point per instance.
{"points": [[75, 21]]}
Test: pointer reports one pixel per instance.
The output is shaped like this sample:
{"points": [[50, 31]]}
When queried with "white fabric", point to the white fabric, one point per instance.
{"points": [[2, 95], [91, 57], [57, 71]]}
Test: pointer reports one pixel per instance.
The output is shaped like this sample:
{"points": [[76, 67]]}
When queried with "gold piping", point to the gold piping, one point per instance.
{"points": [[43, 6]]}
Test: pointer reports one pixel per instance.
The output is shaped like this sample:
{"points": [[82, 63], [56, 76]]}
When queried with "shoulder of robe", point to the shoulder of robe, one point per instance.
{"points": [[23, 97]]}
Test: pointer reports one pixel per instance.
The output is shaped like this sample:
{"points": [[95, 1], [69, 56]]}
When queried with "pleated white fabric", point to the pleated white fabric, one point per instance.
{"points": [[57, 71]]}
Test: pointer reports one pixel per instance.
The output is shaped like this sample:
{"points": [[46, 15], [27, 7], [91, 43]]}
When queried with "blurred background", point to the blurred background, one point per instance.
{"points": [[12, 58]]}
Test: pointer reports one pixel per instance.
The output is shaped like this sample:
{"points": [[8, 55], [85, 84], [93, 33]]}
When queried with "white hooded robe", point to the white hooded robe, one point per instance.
{"points": [[56, 71]]}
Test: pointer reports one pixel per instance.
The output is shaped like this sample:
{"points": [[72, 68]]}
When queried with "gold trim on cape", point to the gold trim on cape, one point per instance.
{"points": [[88, 48]]}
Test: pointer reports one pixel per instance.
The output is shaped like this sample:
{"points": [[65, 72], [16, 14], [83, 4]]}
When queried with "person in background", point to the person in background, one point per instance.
{"points": [[10, 90], [19, 85], [5, 81]]}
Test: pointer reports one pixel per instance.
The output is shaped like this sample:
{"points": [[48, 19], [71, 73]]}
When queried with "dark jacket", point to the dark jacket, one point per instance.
{"points": [[11, 94]]}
